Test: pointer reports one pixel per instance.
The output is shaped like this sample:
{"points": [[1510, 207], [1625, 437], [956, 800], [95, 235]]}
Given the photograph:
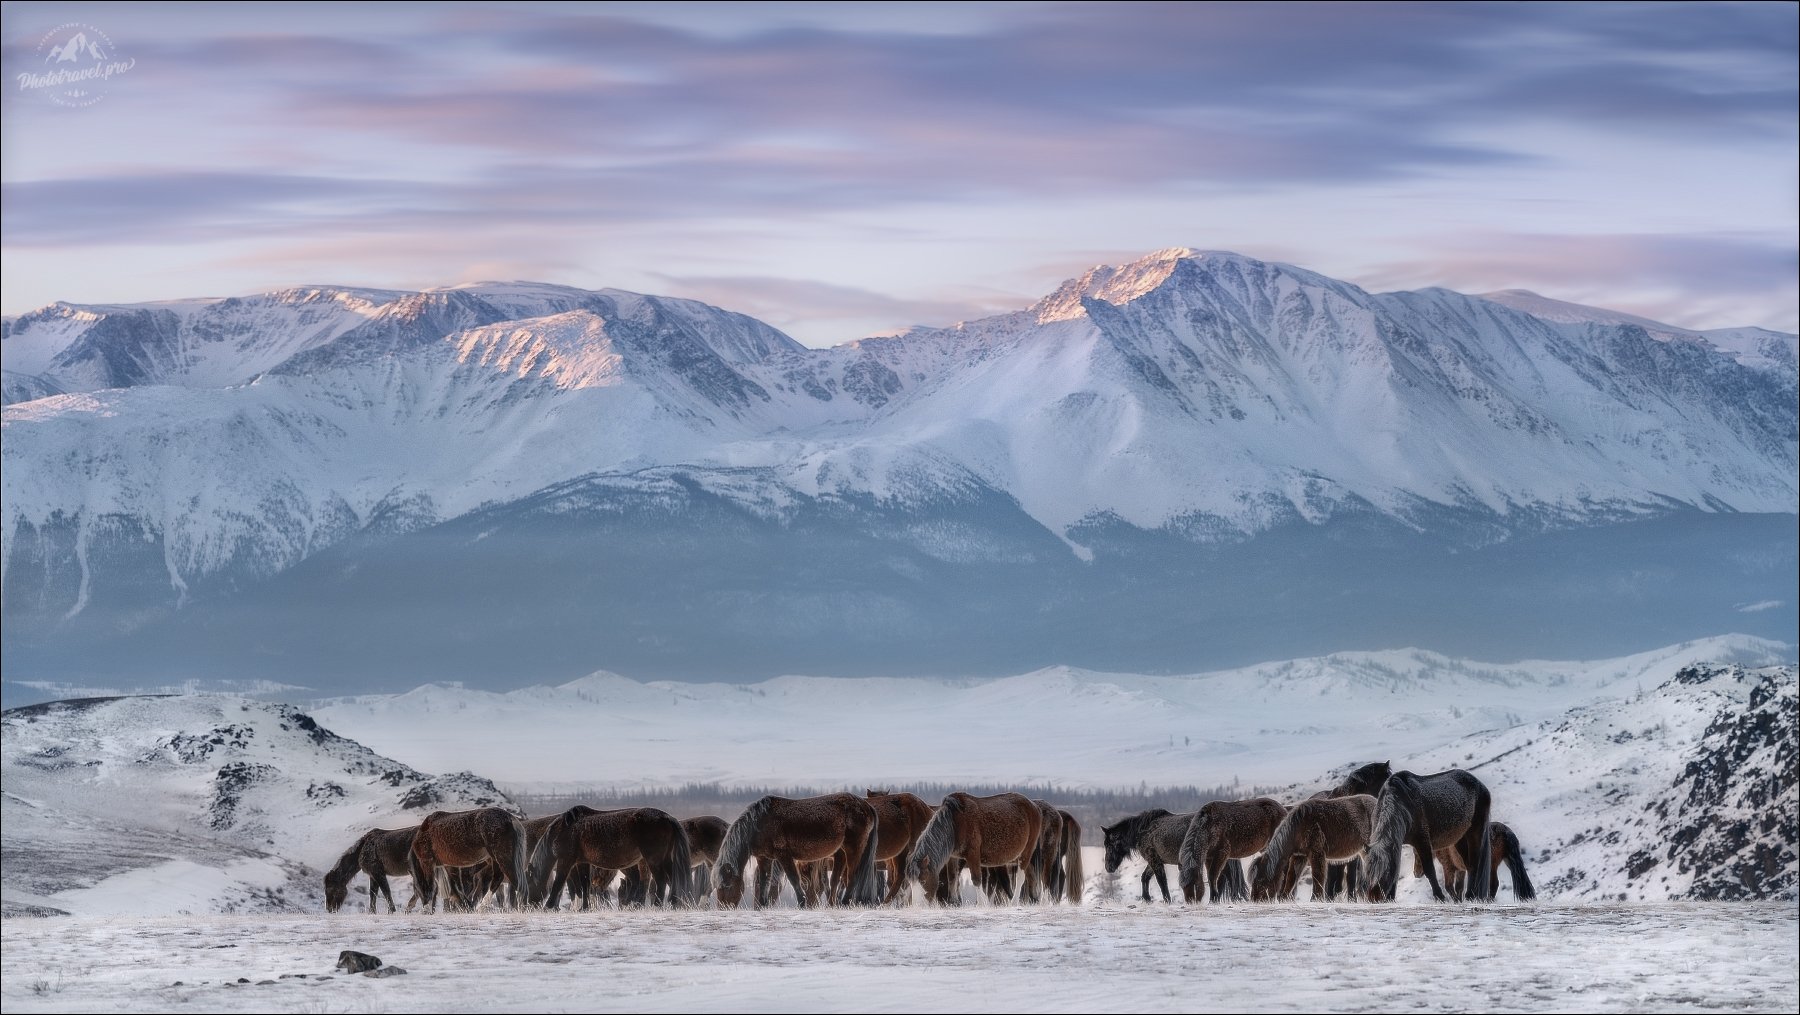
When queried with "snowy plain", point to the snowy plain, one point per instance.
{"points": [[1112, 957]]}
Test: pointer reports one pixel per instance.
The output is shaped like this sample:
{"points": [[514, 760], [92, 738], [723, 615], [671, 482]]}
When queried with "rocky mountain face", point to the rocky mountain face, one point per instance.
{"points": [[1685, 790], [1193, 459]]}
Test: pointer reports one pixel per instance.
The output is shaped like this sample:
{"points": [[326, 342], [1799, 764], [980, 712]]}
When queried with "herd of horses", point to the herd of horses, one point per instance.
{"points": [[848, 850]]}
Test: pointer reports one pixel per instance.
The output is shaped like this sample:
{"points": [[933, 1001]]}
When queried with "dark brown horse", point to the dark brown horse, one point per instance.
{"points": [[1370, 779], [705, 835], [381, 854], [993, 831], [1156, 836], [900, 819], [779, 831], [1315, 833], [646, 839], [1429, 813], [1223, 831], [447, 840]]}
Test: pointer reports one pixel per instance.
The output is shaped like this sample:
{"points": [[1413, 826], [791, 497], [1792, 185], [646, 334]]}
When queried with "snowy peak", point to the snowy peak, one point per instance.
{"points": [[1758, 348]]}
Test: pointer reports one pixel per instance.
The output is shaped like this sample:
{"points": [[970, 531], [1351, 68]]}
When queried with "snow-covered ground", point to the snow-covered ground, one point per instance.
{"points": [[1670, 957]]}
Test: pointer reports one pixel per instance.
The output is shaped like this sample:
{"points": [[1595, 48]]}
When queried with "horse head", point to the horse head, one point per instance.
{"points": [[731, 884], [1120, 840], [337, 889]]}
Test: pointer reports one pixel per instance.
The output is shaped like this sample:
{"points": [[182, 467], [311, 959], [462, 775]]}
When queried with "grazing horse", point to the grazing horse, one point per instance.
{"points": [[991, 831], [541, 864], [1429, 813], [780, 831], [705, 836], [1048, 856], [381, 854], [447, 840], [1315, 833], [902, 819], [1505, 849], [644, 838], [1220, 832], [1156, 836]]}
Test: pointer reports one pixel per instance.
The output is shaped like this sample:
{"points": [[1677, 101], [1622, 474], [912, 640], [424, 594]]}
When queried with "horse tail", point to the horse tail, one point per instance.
{"points": [[1231, 883], [520, 866], [1481, 864], [865, 882], [1073, 873], [939, 837], [1275, 851], [1192, 856], [681, 866], [1515, 862], [423, 885], [1394, 811]]}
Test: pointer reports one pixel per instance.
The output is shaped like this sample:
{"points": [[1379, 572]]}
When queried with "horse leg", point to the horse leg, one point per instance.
{"points": [[1149, 872], [792, 870], [378, 883], [1317, 863], [1421, 845]]}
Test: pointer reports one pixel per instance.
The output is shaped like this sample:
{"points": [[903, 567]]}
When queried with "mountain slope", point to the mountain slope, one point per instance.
{"points": [[1153, 429]]}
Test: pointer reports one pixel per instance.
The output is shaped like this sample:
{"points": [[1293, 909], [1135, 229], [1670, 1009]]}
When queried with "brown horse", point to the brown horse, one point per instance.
{"points": [[447, 840], [901, 819], [381, 854], [1505, 850], [1315, 833], [642, 838], [705, 835], [992, 831], [1223, 831], [777, 830]]}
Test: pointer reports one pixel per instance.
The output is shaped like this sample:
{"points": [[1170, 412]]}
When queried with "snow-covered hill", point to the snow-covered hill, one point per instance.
{"points": [[1685, 789], [192, 803], [1185, 406]]}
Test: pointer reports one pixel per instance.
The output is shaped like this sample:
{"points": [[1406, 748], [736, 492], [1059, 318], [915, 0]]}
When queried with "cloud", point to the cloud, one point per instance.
{"points": [[832, 313], [1685, 280]]}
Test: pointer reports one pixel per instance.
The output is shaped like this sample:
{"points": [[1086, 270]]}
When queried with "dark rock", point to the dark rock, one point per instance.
{"points": [[385, 971], [357, 962]]}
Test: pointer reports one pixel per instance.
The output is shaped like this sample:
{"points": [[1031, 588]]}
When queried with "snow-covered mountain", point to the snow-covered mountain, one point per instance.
{"points": [[621, 474], [193, 803]]}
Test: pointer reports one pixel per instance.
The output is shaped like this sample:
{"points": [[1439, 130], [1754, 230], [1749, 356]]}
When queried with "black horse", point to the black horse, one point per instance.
{"points": [[1431, 812]]}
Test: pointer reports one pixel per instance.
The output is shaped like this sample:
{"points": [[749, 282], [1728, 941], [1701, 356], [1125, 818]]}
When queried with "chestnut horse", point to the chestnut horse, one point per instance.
{"points": [[446, 840], [644, 838], [992, 831], [1317, 832], [1505, 849], [901, 818], [784, 832], [1223, 831], [381, 854]]}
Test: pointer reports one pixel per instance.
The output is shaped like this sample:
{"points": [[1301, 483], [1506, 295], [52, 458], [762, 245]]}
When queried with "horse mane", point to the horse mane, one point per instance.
{"points": [[1188, 859], [1394, 814], [346, 865], [1279, 846], [741, 837], [939, 837]]}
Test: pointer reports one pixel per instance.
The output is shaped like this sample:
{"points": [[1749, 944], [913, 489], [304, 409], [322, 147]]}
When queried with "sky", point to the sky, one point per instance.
{"points": [[845, 170]]}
